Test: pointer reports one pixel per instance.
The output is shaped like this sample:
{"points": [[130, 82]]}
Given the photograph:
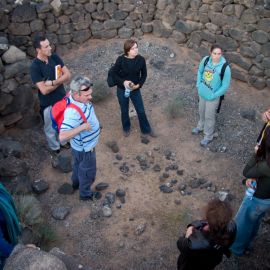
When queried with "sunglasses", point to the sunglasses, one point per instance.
{"points": [[87, 88]]}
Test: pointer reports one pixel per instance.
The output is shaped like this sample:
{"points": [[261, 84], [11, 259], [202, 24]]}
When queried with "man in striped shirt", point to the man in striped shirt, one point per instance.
{"points": [[83, 137]]}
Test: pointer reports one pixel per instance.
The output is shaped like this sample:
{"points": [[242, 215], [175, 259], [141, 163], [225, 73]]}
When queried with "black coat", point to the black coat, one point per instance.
{"points": [[199, 251]]}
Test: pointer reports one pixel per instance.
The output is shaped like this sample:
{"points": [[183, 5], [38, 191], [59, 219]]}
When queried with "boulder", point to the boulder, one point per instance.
{"points": [[13, 54], [25, 258], [24, 13]]}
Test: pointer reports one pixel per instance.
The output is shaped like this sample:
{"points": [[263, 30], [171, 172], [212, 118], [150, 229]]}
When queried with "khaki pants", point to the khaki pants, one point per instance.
{"points": [[207, 113]]}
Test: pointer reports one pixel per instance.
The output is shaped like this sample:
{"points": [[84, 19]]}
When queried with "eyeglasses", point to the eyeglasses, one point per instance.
{"points": [[87, 88]]}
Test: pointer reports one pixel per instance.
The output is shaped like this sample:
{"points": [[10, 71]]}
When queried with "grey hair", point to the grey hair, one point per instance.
{"points": [[77, 82]]}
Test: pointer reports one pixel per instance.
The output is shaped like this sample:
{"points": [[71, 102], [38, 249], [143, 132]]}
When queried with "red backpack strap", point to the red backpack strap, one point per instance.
{"points": [[78, 109]]}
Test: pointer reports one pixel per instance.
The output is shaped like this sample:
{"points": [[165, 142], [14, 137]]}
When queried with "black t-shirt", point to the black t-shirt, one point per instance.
{"points": [[40, 71]]}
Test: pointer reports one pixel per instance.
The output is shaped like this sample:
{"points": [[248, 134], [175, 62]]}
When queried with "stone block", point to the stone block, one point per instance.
{"points": [[264, 24], [81, 36], [249, 16], [236, 58], [228, 44], [266, 62], [260, 36], [125, 32], [119, 15], [239, 73], [13, 54], [37, 25], [24, 13], [258, 83], [147, 27], [113, 24], [266, 49], [19, 29]]}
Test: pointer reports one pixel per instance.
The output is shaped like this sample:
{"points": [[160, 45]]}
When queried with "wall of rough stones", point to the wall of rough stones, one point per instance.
{"points": [[242, 27]]}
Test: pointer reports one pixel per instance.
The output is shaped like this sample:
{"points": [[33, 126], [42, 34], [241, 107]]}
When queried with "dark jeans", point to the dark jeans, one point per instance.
{"points": [[137, 101], [84, 171]]}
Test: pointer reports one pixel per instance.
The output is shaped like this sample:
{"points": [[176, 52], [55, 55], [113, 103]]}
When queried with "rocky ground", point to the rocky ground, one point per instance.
{"points": [[155, 187]]}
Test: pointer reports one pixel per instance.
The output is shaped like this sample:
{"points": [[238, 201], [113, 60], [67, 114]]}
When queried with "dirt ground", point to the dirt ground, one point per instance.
{"points": [[112, 243]]}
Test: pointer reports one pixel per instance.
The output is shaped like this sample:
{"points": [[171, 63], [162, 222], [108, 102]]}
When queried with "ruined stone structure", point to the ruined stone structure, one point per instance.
{"points": [[242, 27]]}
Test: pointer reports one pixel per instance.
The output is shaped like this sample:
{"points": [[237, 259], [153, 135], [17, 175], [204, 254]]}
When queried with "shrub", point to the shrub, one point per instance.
{"points": [[175, 107], [29, 211], [30, 216], [100, 91], [46, 235]]}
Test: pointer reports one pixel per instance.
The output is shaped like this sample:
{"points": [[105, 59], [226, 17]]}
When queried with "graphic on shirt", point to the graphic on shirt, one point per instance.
{"points": [[58, 71], [208, 76]]}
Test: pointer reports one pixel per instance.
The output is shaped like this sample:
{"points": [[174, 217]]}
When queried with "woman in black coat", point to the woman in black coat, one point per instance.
{"points": [[205, 241], [130, 74]]}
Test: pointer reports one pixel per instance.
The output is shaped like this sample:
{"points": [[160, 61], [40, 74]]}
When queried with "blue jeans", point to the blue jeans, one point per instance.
{"points": [[248, 220], [84, 171], [137, 101]]}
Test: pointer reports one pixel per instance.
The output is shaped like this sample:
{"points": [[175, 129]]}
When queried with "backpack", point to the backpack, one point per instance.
{"points": [[221, 78], [58, 110], [110, 80], [110, 77]]}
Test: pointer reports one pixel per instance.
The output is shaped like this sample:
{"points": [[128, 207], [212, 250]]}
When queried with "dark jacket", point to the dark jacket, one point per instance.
{"points": [[200, 251], [261, 171], [126, 69]]}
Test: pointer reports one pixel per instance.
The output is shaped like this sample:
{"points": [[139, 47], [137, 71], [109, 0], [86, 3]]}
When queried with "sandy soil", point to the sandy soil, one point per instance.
{"points": [[111, 243]]}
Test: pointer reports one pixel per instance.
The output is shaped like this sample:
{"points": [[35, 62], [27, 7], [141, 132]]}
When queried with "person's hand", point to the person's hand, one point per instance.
{"points": [[256, 148], [127, 83], [32, 246], [266, 116], [86, 126], [135, 86], [249, 181], [189, 231]]}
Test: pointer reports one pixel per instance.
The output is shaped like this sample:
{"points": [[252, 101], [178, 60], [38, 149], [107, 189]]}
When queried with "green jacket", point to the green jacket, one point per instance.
{"points": [[261, 171]]}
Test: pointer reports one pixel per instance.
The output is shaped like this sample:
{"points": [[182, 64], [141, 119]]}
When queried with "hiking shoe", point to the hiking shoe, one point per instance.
{"points": [[126, 133], [196, 131], [95, 195], [205, 142]]}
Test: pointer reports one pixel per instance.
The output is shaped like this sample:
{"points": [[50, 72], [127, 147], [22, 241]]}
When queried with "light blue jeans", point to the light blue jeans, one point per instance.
{"points": [[248, 220]]}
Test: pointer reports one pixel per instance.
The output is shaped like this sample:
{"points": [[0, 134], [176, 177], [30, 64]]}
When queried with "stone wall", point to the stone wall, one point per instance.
{"points": [[242, 27]]}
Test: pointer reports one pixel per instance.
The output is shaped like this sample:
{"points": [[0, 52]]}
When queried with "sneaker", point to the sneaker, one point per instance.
{"points": [[126, 133], [196, 131], [205, 142], [95, 195]]}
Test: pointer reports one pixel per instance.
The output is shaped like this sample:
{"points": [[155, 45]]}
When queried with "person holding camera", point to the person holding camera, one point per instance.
{"points": [[130, 74], [255, 206], [205, 241]]}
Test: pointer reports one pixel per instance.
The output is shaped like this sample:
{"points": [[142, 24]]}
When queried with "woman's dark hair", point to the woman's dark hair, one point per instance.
{"points": [[128, 45], [218, 215], [37, 40], [264, 148], [215, 46]]}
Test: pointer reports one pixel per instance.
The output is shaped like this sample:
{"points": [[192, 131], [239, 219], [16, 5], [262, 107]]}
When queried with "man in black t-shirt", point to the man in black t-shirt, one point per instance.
{"points": [[48, 72]]}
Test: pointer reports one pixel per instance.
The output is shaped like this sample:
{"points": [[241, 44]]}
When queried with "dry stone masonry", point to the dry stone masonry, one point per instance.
{"points": [[242, 27]]}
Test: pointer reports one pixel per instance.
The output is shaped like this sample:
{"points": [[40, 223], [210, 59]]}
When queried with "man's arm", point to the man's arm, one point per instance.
{"points": [[69, 134], [50, 85]]}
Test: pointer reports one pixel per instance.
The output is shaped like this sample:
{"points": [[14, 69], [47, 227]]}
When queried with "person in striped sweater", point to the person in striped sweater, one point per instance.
{"points": [[83, 133]]}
